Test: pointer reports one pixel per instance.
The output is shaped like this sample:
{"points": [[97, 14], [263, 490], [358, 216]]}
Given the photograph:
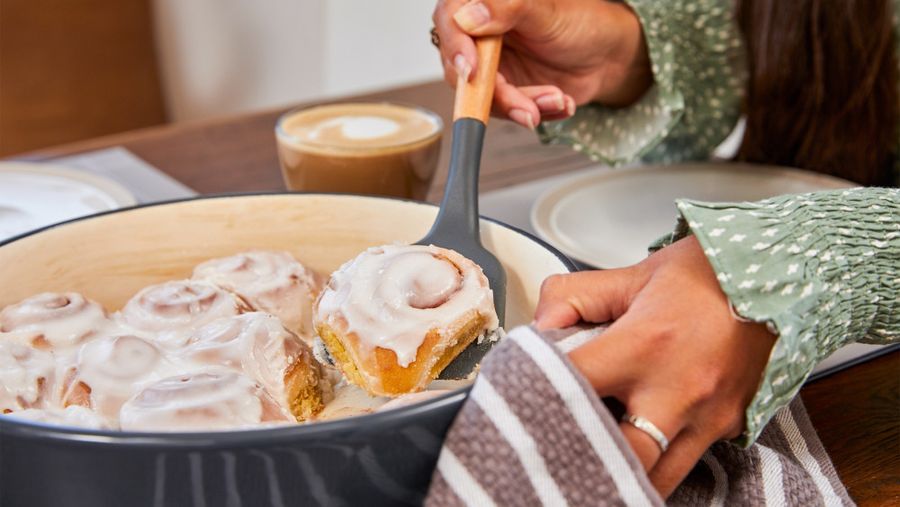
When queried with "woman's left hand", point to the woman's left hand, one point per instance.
{"points": [[675, 354]]}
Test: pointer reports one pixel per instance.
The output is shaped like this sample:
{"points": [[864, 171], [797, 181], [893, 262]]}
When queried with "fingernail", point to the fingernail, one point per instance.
{"points": [[551, 103], [471, 16], [570, 106], [522, 117], [463, 69]]}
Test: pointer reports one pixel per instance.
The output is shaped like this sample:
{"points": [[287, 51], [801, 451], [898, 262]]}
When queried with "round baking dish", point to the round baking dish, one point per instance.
{"points": [[384, 458]]}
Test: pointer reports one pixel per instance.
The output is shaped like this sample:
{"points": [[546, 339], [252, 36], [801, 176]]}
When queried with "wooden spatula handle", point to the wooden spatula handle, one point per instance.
{"points": [[473, 98]]}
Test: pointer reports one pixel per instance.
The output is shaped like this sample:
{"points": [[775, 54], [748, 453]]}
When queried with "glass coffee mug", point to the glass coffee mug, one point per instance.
{"points": [[362, 148]]}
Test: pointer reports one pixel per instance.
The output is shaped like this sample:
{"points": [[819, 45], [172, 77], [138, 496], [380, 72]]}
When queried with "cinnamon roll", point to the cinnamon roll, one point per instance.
{"points": [[54, 320], [395, 316], [213, 399], [273, 282], [170, 311], [26, 374], [111, 369], [258, 344], [70, 416]]}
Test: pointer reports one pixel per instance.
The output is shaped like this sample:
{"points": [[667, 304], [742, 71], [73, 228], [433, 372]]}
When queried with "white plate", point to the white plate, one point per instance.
{"points": [[607, 219], [36, 195]]}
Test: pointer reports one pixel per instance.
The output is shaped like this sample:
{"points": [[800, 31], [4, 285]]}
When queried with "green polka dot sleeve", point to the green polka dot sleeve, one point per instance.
{"points": [[698, 66], [822, 269]]}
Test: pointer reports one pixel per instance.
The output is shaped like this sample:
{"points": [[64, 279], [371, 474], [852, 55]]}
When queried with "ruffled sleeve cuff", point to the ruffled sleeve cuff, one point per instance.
{"points": [[821, 269], [697, 62]]}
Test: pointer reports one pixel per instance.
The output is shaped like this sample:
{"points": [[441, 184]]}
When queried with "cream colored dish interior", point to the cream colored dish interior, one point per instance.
{"points": [[112, 257], [109, 258]]}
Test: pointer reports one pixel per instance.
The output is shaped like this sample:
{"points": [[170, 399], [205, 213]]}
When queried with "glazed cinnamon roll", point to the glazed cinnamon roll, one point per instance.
{"points": [[213, 399], [54, 320], [26, 376], [111, 369], [70, 416], [272, 282], [170, 311], [257, 344], [395, 316]]}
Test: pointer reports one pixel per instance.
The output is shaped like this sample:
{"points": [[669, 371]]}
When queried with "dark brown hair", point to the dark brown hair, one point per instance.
{"points": [[823, 86]]}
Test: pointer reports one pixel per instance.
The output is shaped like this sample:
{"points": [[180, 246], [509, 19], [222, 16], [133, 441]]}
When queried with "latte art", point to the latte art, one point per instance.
{"points": [[363, 148], [356, 126]]}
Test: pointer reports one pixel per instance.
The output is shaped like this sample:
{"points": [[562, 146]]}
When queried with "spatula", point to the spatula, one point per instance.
{"points": [[456, 225]]}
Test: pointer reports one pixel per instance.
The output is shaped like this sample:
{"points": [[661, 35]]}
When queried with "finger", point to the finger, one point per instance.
{"points": [[623, 362], [591, 296], [658, 408], [496, 17], [613, 362], [457, 49], [511, 103], [674, 465], [551, 102], [645, 448]]}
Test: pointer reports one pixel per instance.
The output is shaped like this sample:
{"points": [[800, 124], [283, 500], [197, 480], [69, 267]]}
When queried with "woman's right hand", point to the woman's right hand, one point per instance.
{"points": [[557, 53]]}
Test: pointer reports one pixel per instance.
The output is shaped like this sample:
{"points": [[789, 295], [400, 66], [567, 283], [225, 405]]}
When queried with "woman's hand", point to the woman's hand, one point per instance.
{"points": [[674, 354], [557, 53]]}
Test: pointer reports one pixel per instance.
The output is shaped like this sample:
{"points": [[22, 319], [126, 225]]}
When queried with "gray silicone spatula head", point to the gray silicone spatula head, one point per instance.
{"points": [[456, 226]]}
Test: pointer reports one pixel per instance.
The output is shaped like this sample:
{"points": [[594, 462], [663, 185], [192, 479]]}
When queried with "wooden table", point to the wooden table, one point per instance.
{"points": [[857, 411]]}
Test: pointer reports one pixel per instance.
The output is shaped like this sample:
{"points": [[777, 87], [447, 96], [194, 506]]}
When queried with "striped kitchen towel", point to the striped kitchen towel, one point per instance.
{"points": [[533, 432]]}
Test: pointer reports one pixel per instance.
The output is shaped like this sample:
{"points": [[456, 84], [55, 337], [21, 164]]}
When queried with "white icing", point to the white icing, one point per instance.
{"points": [[273, 282], [57, 319], [358, 127], [212, 399], [26, 375], [392, 296], [255, 343], [114, 368], [168, 312], [70, 416], [180, 355], [32, 200]]}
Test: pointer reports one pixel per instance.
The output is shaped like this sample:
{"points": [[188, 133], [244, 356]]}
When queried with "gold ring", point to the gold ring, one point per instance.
{"points": [[435, 39]]}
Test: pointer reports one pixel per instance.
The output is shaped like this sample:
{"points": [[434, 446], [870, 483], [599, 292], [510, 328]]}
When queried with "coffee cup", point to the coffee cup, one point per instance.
{"points": [[362, 148]]}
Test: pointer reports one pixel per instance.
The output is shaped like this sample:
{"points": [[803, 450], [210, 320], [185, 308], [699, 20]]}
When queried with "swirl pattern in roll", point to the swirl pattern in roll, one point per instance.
{"points": [[396, 315], [170, 311], [54, 320], [111, 369], [273, 282], [26, 376], [216, 398], [257, 344]]}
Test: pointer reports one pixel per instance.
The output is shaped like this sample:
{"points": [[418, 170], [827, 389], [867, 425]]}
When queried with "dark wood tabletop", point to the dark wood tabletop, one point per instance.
{"points": [[856, 411]]}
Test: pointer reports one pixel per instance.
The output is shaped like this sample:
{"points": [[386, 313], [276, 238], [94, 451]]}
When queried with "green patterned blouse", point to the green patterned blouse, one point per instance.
{"points": [[821, 269]]}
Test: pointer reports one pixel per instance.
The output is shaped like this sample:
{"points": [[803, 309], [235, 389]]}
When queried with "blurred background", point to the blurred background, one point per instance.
{"points": [[75, 69]]}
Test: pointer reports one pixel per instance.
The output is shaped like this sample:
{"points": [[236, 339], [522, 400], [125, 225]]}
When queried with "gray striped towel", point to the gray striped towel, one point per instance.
{"points": [[533, 432]]}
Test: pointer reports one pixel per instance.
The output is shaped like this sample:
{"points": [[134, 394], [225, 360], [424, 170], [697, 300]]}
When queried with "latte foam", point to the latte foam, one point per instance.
{"points": [[358, 126]]}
